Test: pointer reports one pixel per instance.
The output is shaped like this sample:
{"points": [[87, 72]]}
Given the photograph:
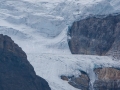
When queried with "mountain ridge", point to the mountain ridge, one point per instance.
{"points": [[40, 28], [16, 73]]}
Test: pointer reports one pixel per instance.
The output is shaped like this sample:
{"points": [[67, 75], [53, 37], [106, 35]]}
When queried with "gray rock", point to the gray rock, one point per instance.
{"points": [[81, 82], [64, 78]]}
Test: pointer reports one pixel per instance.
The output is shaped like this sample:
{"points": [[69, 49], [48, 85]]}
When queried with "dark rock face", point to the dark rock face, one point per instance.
{"points": [[16, 73], [81, 82], [64, 78], [96, 36], [108, 79], [107, 85]]}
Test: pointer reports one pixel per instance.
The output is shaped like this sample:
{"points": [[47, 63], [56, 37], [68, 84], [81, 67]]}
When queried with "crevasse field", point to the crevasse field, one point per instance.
{"points": [[40, 28]]}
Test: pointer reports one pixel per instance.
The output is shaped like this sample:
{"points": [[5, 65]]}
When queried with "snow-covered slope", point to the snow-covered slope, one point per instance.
{"points": [[52, 66], [40, 28]]}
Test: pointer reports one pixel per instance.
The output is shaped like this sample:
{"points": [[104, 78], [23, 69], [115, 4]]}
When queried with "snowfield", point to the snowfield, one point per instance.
{"points": [[40, 28], [52, 66]]}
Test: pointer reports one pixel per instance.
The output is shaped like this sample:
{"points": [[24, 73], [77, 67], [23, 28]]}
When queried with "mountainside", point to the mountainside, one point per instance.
{"points": [[107, 79], [96, 36], [40, 27], [16, 73], [36, 21]]}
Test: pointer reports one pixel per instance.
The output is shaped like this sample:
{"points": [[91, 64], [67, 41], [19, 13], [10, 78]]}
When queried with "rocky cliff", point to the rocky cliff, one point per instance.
{"points": [[96, 36], [107, 79], [16, 73]]}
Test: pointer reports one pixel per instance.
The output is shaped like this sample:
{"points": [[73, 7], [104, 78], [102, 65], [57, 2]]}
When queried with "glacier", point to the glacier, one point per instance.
{"points": [[40, 28]]}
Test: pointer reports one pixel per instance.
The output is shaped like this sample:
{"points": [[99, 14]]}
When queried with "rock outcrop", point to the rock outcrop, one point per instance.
{"points": [[96, 36], [16, 73], [81, 82], [108, 79]]}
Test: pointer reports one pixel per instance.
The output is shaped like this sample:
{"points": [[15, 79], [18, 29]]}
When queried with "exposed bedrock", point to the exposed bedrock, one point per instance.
{"points": [[96, 36], [107, 79], [16, 73], [81, 82]]}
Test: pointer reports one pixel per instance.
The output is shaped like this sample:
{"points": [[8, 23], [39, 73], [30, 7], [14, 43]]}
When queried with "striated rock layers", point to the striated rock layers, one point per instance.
{"points": [[96, 36], [108, 79], [16, 73]]}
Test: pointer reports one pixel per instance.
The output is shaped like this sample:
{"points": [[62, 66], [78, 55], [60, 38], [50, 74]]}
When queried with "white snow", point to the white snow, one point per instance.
{"points": [[40, 28], [52, 66]]}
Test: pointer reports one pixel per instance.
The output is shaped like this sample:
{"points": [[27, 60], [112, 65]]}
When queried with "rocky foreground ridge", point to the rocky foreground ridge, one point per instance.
{"points": [[96, 36], [16, 73]]}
